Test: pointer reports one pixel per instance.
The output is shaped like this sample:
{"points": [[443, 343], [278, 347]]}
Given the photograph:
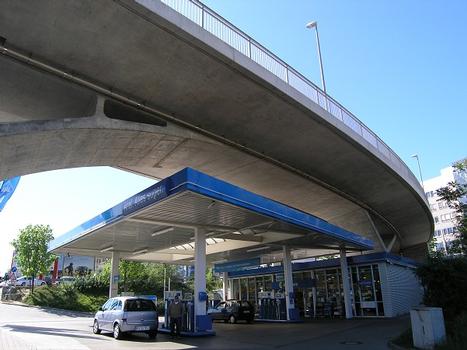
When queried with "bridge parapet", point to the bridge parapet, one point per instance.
{"points": [[218, 26]]}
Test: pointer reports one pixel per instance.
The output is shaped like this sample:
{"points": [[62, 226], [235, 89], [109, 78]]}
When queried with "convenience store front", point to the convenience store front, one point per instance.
{"points": [[382, 285]]}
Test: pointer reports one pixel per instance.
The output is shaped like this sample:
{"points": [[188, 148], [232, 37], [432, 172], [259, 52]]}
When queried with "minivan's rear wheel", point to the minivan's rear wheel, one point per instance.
{"points": [[95, 327], [232, 319], [117, 332]]}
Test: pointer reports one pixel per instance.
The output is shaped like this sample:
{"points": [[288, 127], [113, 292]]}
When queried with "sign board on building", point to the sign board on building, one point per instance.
{"points": [[148, 196], [171, 294], [305, 283], [239, 265], [187, 296], [265, 295], [279, 295]]}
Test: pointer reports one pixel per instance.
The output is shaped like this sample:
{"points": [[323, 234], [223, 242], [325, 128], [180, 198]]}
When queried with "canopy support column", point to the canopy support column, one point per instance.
{"points": [[114, 274], [225, 285], [346, 284], [313, 292], [292, 313], [202, 320]]}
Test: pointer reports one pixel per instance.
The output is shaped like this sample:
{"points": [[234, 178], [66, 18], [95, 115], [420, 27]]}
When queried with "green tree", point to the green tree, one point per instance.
{"points": [[212, 281], [31, 250], [455, 195]]}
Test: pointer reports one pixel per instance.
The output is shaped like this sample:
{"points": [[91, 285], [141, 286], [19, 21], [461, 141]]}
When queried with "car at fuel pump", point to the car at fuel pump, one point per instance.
{"points": [[122, 315], [232, 311]]}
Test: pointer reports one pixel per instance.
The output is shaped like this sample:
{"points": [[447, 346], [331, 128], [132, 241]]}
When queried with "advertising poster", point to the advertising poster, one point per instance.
{"points": [[76, 265]]}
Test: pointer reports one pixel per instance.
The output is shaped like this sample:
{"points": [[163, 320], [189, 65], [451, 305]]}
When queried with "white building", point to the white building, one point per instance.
{"points": [[444, 216]]}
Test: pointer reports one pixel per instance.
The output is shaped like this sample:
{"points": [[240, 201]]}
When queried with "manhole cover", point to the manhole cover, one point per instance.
{"points": [[351, 342]]}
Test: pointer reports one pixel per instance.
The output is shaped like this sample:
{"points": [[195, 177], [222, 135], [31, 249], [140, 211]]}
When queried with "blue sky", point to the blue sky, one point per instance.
{"points": [[399, 66], [63, 199]]}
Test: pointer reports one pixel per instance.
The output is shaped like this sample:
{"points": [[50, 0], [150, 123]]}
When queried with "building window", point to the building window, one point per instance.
{"points": [[436, 219], [439, 247], [446, 217]]}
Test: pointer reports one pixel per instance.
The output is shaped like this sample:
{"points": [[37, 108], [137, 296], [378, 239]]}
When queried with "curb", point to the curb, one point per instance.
{"points": [[81, 313]]}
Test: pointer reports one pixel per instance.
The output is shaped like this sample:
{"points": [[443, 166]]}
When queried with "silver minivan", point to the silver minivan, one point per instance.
{"points": [[122, 315]]}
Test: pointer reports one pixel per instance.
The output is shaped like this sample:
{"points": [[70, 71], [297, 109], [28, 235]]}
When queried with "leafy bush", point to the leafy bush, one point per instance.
{"points": [[92, 284], [65, 297], [445, 283], [456, 334]]}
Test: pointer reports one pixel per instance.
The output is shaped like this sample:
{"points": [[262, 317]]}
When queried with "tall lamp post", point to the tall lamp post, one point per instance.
{"points": [[419, 169], [312, 25]]}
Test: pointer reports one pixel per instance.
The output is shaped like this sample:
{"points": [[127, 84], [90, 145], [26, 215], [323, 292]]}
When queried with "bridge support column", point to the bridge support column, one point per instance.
{"points": [[114, 274]]}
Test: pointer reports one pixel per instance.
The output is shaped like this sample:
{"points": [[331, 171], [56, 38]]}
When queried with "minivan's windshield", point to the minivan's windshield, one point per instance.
{"points": [[139, 305]]}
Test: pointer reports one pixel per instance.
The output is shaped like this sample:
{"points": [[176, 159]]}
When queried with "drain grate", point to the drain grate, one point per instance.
{"points": [[351, 342]]}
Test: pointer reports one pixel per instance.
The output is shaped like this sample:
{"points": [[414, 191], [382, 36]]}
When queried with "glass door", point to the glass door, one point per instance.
{"points": [[367, 291]]}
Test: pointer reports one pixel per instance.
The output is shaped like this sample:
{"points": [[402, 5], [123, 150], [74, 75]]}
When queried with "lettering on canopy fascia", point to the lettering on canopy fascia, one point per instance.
{"points": [[142, 199]]}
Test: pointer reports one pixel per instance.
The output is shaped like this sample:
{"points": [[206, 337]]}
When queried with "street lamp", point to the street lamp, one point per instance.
{"points": [[312, 25], [419, 169]]}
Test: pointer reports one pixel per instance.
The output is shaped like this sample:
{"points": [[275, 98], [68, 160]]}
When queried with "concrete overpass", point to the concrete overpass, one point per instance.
{"points": [[139, 86]]}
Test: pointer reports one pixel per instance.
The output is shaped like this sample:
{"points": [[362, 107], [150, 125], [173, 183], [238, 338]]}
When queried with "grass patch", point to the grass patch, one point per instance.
{"points": [[65, 297]]}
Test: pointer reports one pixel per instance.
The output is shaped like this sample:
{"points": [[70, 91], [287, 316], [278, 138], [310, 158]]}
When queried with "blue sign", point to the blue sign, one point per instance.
{"points": [[365, 283], [144, 198], [237, 265], [13, 269], [7, 187]]}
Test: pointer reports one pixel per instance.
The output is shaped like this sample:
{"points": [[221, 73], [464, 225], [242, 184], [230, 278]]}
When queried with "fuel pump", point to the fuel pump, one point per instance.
{"points": [[188, 321], [280, 307], [266, 307]]}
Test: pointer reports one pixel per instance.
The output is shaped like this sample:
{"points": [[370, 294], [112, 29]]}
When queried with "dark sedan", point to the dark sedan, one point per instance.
{"points": [[233, 311]]}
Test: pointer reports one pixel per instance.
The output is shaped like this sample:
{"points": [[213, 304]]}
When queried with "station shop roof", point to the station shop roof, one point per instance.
{"points": [[157, 225]]}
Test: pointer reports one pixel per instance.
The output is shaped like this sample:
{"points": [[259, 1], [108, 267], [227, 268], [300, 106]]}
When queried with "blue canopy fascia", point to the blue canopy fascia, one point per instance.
{"points": [[192, 180]]}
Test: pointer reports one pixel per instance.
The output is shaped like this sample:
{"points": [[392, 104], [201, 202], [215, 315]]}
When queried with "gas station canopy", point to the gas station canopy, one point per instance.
{"points": [[158, 224]]}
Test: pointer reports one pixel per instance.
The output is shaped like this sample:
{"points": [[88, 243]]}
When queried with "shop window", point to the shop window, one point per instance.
{"points": [[260, 284], [252, 290], [267, 283], [377, 281], [235, 289], [244, 288]]}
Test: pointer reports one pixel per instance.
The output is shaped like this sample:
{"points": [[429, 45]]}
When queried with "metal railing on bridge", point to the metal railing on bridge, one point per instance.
{"points": [[228, 33]]}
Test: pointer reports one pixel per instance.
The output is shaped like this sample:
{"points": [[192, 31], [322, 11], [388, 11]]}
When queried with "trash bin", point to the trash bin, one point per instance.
{"points": [[427, 327]]}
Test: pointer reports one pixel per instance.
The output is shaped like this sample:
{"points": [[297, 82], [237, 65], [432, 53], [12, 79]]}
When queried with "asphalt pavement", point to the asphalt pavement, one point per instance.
{"points": [[32, 328]]}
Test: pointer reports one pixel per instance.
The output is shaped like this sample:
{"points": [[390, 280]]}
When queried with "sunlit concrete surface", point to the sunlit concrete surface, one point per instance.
{"points": [[34, 328]]}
